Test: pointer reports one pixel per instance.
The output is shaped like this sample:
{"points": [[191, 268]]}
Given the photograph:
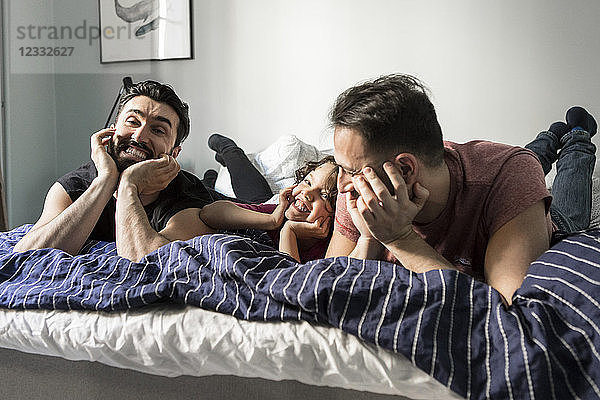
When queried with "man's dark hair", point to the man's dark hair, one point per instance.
{"points": [[163, 94], [392, 112]]}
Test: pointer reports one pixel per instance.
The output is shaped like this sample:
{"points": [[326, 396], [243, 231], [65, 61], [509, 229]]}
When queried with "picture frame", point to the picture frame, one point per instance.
{"points": [[139, 30]]}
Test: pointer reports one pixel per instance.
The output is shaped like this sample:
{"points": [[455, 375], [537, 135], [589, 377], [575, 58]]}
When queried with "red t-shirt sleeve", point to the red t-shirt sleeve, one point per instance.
{"points": [[519, 185], [343, 220]]}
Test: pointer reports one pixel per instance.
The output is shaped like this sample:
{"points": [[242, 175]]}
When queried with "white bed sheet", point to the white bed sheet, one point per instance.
{"points": [[172, 341]]}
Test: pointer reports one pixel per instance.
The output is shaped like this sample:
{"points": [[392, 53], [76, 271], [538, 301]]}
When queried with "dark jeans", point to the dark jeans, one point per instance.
{"points": [[572, 187], [247, 182]]}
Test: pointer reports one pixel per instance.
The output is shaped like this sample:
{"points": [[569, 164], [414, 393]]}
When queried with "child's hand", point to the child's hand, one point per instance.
{"points": [[310, 230], [278, 215]]}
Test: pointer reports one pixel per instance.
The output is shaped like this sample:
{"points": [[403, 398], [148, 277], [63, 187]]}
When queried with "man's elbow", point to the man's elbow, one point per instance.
{"points": [[21, 247], [28, 243], [138, 252], [507, 289], [133, 255]]}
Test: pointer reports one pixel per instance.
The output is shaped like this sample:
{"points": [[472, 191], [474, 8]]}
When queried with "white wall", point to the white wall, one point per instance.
{"points": [[499, 70]]}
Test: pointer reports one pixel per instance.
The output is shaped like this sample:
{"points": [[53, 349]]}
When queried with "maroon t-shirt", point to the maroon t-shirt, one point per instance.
{"points": [[315, 252], [490, 184]]}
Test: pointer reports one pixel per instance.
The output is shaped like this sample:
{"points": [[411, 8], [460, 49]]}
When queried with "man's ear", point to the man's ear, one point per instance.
{"points": [[408, 164], [175, 151]]}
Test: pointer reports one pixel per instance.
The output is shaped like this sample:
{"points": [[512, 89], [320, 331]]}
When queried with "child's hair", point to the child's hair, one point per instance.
{"points": [[331, 185]]}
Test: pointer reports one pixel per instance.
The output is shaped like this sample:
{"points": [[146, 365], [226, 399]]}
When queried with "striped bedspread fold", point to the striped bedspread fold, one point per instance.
{"points": [[545, 346]]}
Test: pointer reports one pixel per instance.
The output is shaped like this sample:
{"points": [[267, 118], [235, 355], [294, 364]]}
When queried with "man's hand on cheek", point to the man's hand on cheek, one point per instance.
{"points": [[352, 205], [388, 217], [103, 162], [151, 176]]}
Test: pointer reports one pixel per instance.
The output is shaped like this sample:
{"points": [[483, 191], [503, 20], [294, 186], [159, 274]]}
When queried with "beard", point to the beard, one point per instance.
{"points": [[122, 162]]}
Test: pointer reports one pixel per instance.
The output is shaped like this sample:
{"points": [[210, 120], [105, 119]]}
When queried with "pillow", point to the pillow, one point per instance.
{"points": [[277, 163]]}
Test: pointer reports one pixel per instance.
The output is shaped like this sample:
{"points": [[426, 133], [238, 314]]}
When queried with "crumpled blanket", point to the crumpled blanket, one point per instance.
{"points": [[448, 324]]}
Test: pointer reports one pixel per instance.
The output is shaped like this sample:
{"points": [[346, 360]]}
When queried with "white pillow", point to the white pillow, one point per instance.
{"points": [[277, 163]]}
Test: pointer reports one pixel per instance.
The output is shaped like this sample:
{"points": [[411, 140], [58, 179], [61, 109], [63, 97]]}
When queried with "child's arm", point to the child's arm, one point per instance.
{"points": [[294, 231], [288, 242], [225, 214]]}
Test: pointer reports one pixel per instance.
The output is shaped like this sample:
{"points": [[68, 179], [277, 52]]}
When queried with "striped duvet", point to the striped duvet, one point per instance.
{"points": [[453, 327]]}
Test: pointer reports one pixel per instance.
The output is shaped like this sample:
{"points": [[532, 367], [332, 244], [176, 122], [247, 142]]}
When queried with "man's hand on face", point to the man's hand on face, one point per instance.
{"points": [[387, 217], [104, 163], [151, 176], [357, 219]]}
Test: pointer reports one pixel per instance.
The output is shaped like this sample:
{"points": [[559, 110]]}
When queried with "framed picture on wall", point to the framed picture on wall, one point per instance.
{"points": [[135, 30]]}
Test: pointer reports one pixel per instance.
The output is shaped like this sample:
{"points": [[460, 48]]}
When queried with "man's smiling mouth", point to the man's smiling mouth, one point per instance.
{"points": [[136, 153]]}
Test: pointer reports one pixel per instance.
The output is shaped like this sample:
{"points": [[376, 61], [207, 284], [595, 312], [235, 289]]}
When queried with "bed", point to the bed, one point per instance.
{"points": [[227, 316]]}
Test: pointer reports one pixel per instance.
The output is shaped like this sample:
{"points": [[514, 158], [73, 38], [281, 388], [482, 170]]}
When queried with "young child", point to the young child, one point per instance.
{"points": [[300, 224]]}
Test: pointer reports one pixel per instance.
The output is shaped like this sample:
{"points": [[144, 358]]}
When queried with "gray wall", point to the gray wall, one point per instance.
{"points": [[31, 144], [264, 68], [53, 105], [30, 135]]}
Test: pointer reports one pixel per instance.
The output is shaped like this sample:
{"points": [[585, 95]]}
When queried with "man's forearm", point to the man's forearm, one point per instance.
{"points": [[368, 249], [70, 229], [135, 236], [418, 256]]}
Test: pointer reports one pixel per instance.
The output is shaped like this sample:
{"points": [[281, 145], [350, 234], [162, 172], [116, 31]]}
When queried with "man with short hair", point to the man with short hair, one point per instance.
{"points": [[480, 207], [133, 191]]}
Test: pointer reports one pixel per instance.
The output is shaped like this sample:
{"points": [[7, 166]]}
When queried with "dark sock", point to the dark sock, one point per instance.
{"points": [[220, 159], [209, 179], [578, 117], [218, 143], [559, 129]]}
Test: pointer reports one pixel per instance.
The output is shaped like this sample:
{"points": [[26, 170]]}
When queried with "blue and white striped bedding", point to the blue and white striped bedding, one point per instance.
{"points": [[449, 325]]}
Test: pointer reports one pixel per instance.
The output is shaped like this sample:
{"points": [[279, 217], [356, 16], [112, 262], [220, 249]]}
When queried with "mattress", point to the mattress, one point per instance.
{"points": [[449, 325], [171, 340]]}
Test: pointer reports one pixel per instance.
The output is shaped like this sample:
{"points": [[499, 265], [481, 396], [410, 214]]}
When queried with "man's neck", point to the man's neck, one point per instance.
{"points": [[147, 199], [437, 181]]}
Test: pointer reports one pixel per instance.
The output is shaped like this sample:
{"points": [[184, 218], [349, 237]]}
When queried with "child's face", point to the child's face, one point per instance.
{"points": [[310, 199]]}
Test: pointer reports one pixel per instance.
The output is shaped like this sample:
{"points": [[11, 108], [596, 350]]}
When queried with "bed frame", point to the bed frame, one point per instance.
{"points": [[33, 376]]}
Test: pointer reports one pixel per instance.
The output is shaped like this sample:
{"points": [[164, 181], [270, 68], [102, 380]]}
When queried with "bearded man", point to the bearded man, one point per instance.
{"points": [[133, 191]]}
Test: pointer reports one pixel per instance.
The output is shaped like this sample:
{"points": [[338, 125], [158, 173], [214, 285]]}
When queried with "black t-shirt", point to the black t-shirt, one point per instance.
{"points": [[185, 191]]}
